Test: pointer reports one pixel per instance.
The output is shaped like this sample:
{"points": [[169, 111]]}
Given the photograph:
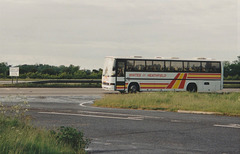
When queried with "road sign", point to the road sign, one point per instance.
{"points": [[14, 71]]}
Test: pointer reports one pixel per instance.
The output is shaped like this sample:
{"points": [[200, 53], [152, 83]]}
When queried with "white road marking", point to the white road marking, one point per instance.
{"points": [[95, 116], [108, 113], [121, 114], [177, 121], [228, 126], [89, 102]]}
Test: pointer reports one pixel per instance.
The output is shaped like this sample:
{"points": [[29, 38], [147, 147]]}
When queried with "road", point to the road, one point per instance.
{"points": [[127, 131]]}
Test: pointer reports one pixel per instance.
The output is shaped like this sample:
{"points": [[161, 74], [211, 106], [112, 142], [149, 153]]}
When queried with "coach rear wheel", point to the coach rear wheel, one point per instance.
{"points": [[192, 87]]}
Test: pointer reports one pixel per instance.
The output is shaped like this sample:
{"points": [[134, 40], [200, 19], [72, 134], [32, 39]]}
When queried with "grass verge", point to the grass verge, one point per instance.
{"points": [[226, 104], [17, 136]]}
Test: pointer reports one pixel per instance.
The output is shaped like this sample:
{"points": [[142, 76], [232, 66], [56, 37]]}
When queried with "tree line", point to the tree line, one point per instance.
{"points": [[232, 70], [43, 71]]}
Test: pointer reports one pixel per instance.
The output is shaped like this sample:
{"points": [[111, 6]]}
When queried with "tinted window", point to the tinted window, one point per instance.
{"points": [[158, 66], [186, 66], [130, 64], [216, 67], [139, 65], [211, 67], [176, 66], [194, 66], [167, 66], [120, 69], [149, 66]]}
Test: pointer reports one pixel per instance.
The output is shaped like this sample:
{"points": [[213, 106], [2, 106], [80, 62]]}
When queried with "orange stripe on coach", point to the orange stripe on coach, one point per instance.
{"points": [[204, 76], [173, 81], [182, 84]]}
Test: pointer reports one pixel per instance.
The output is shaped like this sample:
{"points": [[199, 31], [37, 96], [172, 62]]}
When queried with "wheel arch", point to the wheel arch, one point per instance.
{"points": [[134, 83], [192, 87]]}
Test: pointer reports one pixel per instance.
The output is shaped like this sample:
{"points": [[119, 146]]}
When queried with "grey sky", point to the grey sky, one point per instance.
{"points": [[83, 32]]}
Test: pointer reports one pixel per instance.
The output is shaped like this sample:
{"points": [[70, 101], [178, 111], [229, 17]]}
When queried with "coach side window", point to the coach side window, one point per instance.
{"points": [[167, 65], [194, 66], [177, 66], [206, 66], [216, 68], [158, 66], [211, 67], [149, 66], [139, 65], [130, 64], [186, 66]]}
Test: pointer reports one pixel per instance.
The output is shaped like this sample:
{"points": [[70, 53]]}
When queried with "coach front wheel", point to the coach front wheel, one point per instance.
{"points": [[133, 88]]}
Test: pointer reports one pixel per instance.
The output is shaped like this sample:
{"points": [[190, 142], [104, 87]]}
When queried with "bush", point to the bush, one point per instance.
{"points": [[72, 137]]}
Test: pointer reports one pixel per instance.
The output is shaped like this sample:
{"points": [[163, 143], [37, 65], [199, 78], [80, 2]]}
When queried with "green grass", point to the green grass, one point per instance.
{"points": [[17, 137], [226, 104]]}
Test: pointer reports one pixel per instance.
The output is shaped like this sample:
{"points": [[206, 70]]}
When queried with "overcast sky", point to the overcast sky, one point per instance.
{"points": [[83, 32]]}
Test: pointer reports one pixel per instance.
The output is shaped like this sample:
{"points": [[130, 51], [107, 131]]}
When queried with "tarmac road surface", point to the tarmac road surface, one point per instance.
{"points": [[66, 91], [127, 131]]}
